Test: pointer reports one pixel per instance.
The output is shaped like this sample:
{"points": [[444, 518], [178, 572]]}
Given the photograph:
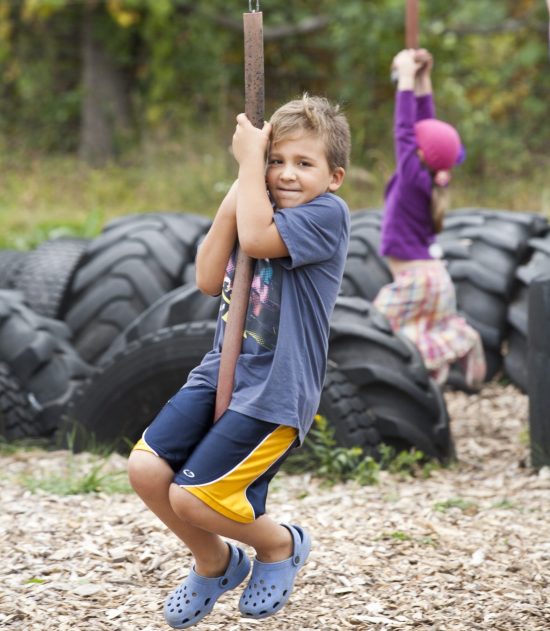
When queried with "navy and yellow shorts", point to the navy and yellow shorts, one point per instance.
{"points": [[229, 464]]}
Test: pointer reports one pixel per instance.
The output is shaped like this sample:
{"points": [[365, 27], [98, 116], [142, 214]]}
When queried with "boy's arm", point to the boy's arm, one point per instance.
{"points": [[216, 248], [258, 233]]}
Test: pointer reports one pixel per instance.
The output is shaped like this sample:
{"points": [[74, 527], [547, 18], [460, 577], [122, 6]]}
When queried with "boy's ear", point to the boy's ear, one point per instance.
{"points": [[336, 179]]}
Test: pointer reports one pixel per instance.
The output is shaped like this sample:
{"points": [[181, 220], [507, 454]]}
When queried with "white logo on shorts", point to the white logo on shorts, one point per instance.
{"points": [[188, 473]]}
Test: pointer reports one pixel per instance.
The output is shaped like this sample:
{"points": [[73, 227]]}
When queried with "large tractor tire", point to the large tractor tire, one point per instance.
{"points": [[10, 264], [400, 401], [17, 415], [45, 275], [136, 260], [365, 272], [183, 304], [343, 407], [483, 249], [41, 358], [387, 397], [125, 394]]}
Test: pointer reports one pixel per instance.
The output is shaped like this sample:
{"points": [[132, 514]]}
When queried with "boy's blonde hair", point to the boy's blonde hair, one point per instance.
{"points": [[317, 115]]}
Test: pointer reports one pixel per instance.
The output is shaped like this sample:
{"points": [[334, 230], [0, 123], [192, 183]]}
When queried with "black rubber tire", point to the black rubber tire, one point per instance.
{"points": [[40, 356], [391, 380], [136, 260], [45, 275], [538, 264], [369, 216], [17, 416], [122, 398], [365, 271], [10, 264], [484, 248], [183, 304], [341, 404]]}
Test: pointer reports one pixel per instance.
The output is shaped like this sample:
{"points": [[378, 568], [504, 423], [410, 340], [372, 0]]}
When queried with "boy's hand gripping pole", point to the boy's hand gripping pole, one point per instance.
{"points": [[411, 30], [254, 109]]}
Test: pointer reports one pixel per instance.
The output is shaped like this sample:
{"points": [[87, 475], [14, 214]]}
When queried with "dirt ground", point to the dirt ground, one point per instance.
{"points": [[468, 548]]}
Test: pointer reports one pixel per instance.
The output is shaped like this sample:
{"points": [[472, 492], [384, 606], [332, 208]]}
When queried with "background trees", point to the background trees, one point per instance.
{"points": [[95, 78]]}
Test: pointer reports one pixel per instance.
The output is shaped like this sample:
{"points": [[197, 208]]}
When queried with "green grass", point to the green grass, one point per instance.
{"points": [[466, 506], [24, 444], [75, 481], [46, 196], [322, 456]]}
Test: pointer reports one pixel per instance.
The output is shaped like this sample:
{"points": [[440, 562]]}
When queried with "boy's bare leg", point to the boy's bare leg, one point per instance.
{"points": [[271, 541], [199, 526], [151, 478]]}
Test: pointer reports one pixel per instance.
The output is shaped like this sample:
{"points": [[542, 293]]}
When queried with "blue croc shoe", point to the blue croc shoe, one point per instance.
{"points": [[271, 584], [196, 596]]}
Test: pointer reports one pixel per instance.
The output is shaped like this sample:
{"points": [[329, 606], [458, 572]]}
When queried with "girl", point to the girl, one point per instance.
{"points": [[421, 301]]}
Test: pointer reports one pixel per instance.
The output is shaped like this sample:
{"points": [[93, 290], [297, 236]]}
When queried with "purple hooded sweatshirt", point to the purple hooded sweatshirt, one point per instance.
{"points": [[407, 228]]}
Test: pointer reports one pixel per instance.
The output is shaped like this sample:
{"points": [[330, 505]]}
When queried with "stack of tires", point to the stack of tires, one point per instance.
{"points": [[73, 298], [39, 370], [116, 326], [484, 249]]}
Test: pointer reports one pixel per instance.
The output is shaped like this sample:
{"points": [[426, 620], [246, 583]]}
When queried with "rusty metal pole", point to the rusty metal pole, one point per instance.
{"points": [[411, 24], [255, 111], [411, 30]]}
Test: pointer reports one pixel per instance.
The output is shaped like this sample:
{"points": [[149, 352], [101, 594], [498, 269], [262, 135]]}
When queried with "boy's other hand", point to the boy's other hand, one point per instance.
{"points": [[249, 142]]}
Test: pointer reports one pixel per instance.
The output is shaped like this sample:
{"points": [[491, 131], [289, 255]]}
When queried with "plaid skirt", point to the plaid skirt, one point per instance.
{"points": [[421, 304]]}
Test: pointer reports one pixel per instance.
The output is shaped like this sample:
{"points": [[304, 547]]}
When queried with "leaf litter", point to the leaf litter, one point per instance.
{"points": [[467, 548]]}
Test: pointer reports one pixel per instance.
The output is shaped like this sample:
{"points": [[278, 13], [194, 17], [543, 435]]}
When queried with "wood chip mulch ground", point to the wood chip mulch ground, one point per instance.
{"points": [[467, 548]]}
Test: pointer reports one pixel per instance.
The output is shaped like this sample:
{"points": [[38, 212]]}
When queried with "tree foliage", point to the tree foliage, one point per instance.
{"points": [[182, 65]]}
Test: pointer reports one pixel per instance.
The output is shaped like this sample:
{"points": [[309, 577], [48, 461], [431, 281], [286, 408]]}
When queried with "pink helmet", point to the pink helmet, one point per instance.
{"points": [[440, 144]]}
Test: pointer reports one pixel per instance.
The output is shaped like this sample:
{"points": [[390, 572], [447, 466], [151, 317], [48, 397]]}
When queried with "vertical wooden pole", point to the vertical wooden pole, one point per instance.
{"points": [[538, 370], [254, 109]]}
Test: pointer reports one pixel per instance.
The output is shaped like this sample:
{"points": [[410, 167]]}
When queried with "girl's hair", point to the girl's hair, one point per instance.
{"points": [[440, 205], [316, 115]]}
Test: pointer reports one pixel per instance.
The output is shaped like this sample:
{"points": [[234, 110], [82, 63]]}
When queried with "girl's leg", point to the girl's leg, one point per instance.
{"points": [[151, 478]]}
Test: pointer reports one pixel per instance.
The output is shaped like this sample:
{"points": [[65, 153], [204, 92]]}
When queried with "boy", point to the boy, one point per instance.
{"points": [[206, 481]]}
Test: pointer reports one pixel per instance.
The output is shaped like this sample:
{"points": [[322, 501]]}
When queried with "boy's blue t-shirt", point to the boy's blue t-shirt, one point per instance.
{"points": [[281, 369]]}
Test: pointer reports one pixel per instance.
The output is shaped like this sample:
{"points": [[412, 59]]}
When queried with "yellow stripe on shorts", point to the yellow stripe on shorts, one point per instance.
{"points": [[141, 445], [227, 495]]}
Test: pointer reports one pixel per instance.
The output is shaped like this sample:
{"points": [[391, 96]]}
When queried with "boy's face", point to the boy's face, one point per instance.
{"points": [[298, 171]]}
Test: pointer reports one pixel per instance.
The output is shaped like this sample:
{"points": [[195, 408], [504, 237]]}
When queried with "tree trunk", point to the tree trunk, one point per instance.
{"points": [[105, 109]]}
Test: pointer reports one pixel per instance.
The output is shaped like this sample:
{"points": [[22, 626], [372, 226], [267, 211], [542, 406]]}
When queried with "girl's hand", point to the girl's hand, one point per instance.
{"points": [[423, 78], [426, 62], [405, 63], [249, 142]]}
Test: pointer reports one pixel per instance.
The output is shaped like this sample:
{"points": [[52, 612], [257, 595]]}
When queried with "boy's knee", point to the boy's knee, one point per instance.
{"points": [[186, 506], [147, 473]]}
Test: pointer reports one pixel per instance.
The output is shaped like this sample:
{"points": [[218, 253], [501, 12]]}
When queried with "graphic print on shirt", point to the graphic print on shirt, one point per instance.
{"points": [[264, 304]]}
